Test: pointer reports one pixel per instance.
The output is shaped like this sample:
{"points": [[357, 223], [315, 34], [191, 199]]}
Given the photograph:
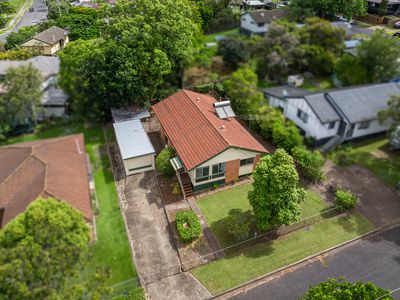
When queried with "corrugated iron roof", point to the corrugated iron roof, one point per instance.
{"points": [[195, 130]]}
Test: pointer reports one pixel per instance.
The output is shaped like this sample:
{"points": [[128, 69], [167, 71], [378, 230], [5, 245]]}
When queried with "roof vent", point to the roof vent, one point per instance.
{"points": [[54, 37], [224, 109], [284, 92], [197, 99], [262, 14], [222, 127]]}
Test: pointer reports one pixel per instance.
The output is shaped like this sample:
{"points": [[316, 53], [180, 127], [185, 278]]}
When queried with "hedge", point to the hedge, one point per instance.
{"points": [[188, 225], [310, 163], [345, 200]]}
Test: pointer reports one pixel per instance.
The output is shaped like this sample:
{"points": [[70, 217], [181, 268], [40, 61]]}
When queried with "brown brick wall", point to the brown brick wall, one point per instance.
{"points": [[232, 170], [256, 160]]}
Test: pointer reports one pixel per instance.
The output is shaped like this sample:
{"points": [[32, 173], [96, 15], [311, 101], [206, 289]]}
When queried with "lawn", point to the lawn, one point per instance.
{"points": [[210, 38], [255, 260], [111, 249], [376, 156], [216, 208]]}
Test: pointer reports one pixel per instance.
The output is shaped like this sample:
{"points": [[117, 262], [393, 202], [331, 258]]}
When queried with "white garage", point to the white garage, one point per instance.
{"points": [[137, 152]]}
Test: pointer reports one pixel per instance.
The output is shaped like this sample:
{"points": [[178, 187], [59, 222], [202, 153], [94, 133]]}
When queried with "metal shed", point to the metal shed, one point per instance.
{"points": [[135, 147]]}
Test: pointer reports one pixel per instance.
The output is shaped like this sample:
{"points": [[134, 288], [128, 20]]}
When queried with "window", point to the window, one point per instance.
{"points": [[364, 125], [331, 125], [247, 161], [202, 174], [261, 24], [302, 115], [218, 170]]}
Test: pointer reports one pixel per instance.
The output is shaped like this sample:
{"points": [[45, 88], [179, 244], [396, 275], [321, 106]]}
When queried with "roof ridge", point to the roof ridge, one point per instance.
{"points": [[212, 125]]}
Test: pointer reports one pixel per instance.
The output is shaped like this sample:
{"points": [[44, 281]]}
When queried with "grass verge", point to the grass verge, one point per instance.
{"points": [[254, 260]]}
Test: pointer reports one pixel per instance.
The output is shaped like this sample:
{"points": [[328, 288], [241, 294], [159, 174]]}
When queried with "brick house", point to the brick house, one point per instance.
{"points": [[212, 147]]}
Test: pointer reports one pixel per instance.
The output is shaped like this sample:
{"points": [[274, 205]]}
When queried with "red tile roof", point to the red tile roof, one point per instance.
{"points": [[195, 130], [47, 168]]}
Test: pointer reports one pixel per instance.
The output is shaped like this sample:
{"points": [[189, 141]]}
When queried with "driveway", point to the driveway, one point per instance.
{"points": [[378, 202], [375, 259], [155, 255]]}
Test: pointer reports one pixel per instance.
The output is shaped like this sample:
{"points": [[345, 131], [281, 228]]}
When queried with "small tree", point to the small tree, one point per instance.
{"points": [[345, 200], [392, 113], [163, 163], [14, 39], [233, 52], [383, 7], [276, 196], [338, 289], [41, 249]]}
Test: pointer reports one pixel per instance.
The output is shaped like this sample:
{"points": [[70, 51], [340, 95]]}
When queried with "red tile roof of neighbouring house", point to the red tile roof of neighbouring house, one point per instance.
{"points": [[195, 130], [47, 168]]}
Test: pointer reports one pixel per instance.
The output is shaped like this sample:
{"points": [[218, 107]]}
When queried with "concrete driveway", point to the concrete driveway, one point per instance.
{"points": [[154, 252], [375, 259]]}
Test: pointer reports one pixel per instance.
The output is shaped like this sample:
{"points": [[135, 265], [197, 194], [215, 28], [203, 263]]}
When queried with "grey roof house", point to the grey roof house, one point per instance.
{"points": [[257, 21], [342, 114], [54, 100]]}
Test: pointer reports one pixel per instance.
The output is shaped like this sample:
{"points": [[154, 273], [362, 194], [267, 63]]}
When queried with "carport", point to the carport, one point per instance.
{"points": [[135, 147]]}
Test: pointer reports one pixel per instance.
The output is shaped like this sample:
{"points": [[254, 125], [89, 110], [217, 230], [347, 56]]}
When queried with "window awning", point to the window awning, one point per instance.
{"points": [[176, 163]]}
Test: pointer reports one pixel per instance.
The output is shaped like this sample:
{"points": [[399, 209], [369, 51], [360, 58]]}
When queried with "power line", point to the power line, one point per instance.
{"points": [[391, 292]]}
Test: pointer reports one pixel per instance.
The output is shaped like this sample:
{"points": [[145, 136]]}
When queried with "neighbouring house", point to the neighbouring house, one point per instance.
{"points": [[392, 9], [50, 40], [86, 4], [212, 147], [336, 115], [54, 100], [257, 21], [56, 167], [136, 150]]}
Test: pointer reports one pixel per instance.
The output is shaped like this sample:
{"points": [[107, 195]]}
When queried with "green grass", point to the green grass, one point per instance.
{"points": [[255, 260], [387, 168], [112, 248], [216, 209], [210, 38], [317, 84]]}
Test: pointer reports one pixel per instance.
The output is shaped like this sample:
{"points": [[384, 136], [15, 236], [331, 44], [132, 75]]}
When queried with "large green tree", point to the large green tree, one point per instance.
{"points": [[276, 195], [21, 97], [301, 9], [40, 250], [340, 290], [143, 43], [392, 113], [371, 64]]}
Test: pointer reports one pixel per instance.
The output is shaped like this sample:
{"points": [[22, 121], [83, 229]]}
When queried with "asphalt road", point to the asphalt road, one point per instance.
{"points": [[28, 17], [376, 259]]}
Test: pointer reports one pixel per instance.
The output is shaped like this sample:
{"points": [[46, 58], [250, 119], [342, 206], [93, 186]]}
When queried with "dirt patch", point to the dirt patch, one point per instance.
{"points": [[166, 190], [378, 202], [380, 154]]}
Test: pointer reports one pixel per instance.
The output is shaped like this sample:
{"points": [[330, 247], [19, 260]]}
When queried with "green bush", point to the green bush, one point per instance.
{"points": [[163, 163], [286, 136], [344, 157], [338, 289], [344, 200], [239, 224], [310, 163], [188, 225]]}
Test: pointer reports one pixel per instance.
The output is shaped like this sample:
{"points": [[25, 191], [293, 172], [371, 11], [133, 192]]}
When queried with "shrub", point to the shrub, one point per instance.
{"points": [[233, 52], [343, 157], [176, 188], [338, 289], [286, 136], [345, 200], [188, 225], [163, 164], [239, 223], [310, 163]]}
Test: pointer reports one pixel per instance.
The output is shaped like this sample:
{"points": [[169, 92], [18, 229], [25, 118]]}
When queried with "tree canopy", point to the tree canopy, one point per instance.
{"points": [[301, 9], [276, 196], [233, 52], [392, 113], [144, 42], [40, 249], [335, 289], [21, 97], [14, 39]]}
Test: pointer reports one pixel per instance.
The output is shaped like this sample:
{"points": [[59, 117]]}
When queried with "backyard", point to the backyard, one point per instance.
{"points": [[254, 259], [111, 249], [376, 156]]}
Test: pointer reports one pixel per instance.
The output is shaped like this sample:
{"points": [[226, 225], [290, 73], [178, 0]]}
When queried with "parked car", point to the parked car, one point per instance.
{"points": [[396, 35], [31, 9], [396, 25]]}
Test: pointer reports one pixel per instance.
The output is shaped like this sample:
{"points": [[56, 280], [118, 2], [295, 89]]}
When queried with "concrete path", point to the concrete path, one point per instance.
{"points": [[375, 259], [154, 252]]}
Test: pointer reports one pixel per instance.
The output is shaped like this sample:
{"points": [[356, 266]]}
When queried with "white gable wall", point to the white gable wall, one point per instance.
{"points": [[247, 22], [313, 127], [227, 155]]}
